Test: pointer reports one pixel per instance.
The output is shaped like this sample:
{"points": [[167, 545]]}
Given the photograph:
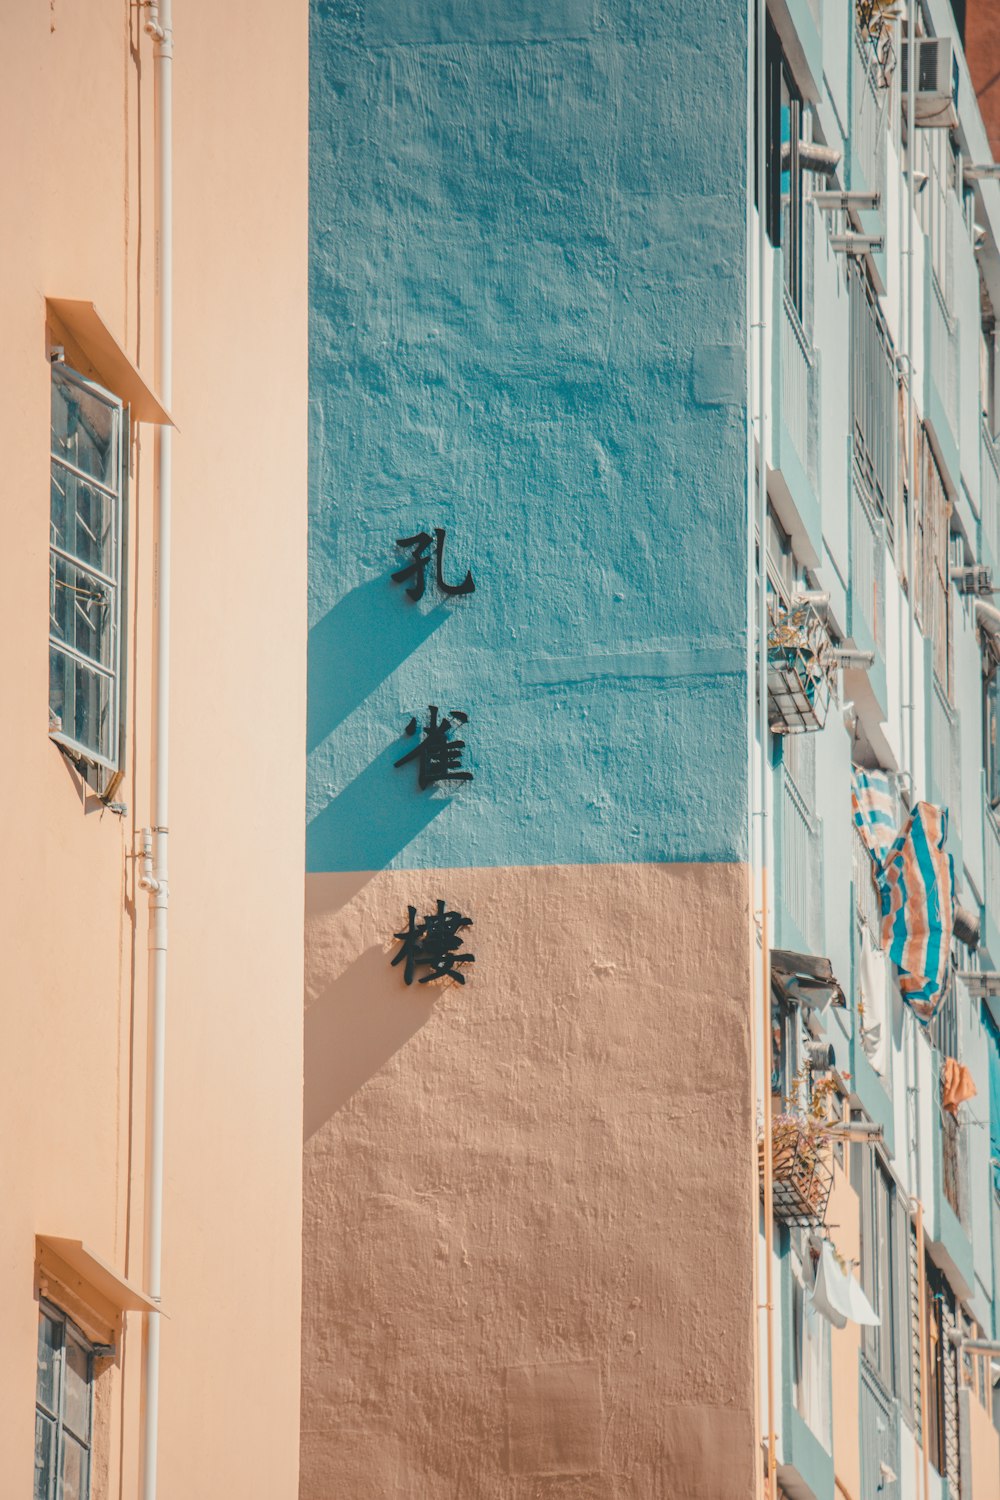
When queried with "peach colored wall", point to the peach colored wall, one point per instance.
{"points": [[76, 95], [984, 1450], [530, 1202]]}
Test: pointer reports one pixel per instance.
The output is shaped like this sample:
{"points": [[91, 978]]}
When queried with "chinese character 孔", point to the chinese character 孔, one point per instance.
{"points": [[433, 944], [438, 757], [419, 547]]}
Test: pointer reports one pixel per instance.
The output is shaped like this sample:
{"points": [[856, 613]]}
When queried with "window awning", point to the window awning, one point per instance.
{"points": [[88, 1277], [92, 349], [806, 978]]}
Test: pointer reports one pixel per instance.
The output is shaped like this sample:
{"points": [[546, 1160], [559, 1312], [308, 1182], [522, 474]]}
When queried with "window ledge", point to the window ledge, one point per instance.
{"points": [[92, 349], [64, 1266]]}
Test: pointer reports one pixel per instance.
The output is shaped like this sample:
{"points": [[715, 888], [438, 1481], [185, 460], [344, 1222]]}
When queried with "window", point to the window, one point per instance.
{"points": [[86, 551], [63, 1408], [885, 1276], [784, 171], [942, 1372], [991, 719], [933, 518]]}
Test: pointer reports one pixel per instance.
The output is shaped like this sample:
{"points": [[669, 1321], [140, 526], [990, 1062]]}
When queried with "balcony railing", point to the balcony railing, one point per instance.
{"points": [[800, 872], [871, 111], [873, 393], [797, 377], [989, 467], [944, 353], [867, 565]]}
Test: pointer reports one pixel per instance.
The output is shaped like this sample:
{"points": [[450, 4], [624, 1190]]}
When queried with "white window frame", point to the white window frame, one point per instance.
{"points": [[56, 1418], [114, 581]]}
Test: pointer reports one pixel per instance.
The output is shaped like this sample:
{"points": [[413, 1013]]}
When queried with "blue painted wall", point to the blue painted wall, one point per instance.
{"points": [[527, 293]]}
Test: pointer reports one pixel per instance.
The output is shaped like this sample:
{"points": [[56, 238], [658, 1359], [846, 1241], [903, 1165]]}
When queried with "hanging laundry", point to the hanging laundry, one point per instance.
{"points": [[917, 883], [956, 1085], [875, 1020], [837, 1295], [873, 801]]}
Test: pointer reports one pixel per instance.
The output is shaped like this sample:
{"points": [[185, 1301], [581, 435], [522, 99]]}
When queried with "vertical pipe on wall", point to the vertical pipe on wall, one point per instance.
{"points": [[763, 729], [922, 1293], [159, 26], [911, 457]]}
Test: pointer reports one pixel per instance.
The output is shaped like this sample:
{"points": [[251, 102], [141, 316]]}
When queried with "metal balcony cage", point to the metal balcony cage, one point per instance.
{"points": [[801, 1173], [800, 668]]}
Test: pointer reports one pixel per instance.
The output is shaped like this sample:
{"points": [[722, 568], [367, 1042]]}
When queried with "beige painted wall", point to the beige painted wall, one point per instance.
{"points": [[76, 103], [530, 1203]]}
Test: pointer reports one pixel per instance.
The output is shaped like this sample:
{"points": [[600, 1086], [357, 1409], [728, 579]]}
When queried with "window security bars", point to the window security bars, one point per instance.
{"points": [[945, 753], [63, 1409], [801, 877], [85, 568], [989, 469], [879, 1440], [944, 352], [933, 516], [953, 1166], [867, 564], [992, 840], [873, 393], [870, 109], [797, 380], [867, 901]]}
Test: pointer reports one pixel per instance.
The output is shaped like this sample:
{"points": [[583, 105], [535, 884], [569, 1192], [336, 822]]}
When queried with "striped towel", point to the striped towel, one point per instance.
{"points": [[873, 801], [917, 882]]}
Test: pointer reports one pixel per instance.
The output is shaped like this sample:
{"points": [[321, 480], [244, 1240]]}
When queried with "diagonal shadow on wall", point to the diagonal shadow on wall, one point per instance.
{"points": [[373, 818], [352, 1030], [356, 645]]}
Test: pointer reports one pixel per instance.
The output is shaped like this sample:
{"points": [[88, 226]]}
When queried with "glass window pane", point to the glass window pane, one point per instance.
{"points": [[83, 520], [45, 1434], [49, 1340], [76, 1387], [74, 1479], [81, 705], [84, 430], [82, 610]]}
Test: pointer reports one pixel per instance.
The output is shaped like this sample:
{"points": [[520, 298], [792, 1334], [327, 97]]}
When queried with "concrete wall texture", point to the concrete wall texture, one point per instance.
{"points": [[527, 326], [76, 93]]}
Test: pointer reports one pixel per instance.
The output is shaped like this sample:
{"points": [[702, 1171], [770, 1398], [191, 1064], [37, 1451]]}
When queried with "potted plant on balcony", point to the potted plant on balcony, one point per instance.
{"points": [[801, 1154]]}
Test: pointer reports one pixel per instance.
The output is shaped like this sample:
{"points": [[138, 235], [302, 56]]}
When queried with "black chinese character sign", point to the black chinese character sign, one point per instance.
{"points": [[433, 944], [419, 547], [438, 757]]}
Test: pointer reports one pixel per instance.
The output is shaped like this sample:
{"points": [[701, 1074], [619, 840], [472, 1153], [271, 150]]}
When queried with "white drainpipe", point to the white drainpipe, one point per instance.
{"points": [[159, 27], [756, 25]]}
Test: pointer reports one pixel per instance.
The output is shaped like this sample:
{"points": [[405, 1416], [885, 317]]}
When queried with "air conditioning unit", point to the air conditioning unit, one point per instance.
{"points": [[935, 105]]}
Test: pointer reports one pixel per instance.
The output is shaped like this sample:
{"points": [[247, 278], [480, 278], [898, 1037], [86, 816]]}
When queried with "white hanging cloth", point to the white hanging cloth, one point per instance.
{"points": [[837, 1295], [875, 1022]]}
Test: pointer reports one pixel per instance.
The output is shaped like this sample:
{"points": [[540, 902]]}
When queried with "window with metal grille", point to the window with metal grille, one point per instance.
{"points": [[884, 1276], [942, 1378], [873, 395], [784, 170], [63, 1408], [86, 551], [933, 596]]}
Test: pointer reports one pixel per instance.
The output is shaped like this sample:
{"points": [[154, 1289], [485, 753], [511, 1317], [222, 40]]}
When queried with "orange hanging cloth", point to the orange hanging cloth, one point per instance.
{"points": [[956, 1085]]}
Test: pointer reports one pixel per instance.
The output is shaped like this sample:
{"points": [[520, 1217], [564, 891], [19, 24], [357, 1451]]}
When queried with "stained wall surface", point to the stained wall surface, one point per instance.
{"points": [[527, 328], [77, 98]]}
